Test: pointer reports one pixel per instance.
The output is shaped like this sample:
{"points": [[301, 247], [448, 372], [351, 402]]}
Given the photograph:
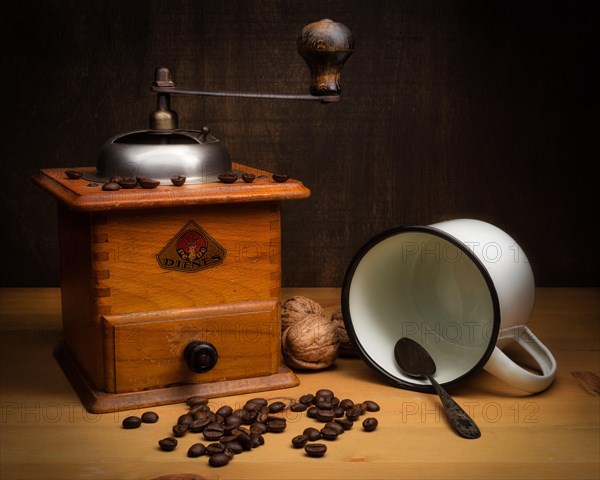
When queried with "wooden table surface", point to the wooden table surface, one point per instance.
{"points": [[45, 432]]}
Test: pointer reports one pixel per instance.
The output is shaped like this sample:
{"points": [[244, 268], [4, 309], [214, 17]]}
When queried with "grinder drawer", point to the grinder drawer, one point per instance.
{"points": [[170, 347]]}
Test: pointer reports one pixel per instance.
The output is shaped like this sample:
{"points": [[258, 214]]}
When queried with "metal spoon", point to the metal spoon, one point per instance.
{"points": [[415, 361]]}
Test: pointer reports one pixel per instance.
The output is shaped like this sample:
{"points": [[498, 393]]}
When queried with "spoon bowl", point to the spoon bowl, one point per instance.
{"points": [[416, 362], [413, 359]]}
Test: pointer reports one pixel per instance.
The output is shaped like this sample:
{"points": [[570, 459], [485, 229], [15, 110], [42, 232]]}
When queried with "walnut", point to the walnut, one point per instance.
{"points": [[296, 308], [311, 343], [347, 346]]}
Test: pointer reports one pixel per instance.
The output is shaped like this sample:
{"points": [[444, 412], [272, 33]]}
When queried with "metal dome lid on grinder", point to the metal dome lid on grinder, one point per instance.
{"points": [[164, 150]]}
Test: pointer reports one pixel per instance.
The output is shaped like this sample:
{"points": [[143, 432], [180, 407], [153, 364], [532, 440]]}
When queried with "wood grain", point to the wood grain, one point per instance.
{"points": [[83, 195], [449, 109], [132, 302], [147, 348], [553, 435]]}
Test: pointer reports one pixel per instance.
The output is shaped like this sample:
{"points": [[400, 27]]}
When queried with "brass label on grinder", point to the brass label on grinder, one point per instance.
{"points": [[191, 250]]}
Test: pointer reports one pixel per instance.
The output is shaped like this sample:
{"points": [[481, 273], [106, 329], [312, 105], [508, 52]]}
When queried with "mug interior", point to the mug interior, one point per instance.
{"points": [[421, 283]]}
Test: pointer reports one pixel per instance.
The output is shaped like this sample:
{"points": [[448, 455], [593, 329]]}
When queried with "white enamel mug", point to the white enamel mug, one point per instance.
{"points": [[463, 289]]}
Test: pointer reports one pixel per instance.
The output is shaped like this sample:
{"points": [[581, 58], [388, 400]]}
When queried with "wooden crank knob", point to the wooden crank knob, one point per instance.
{"points": [[325, 46]]}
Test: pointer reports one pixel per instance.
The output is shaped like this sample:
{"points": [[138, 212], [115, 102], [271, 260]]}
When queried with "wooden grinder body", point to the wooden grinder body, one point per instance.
{"points": [[146, 272]]}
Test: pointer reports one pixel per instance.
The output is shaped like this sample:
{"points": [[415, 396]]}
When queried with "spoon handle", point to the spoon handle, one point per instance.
{"points": [[457, 417]]}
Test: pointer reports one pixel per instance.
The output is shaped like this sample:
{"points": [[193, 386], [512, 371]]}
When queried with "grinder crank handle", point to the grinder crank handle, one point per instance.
{"points": [[324, 45]]}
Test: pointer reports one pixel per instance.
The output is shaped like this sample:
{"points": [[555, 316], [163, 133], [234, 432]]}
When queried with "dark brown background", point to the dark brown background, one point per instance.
{"points": [[485, 109]]}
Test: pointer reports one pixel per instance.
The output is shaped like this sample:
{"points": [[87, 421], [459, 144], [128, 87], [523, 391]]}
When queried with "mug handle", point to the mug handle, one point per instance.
{"points": [[501, 366]]}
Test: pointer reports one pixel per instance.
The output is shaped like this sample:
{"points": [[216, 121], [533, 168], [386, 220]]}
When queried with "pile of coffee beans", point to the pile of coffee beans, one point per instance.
{"points": [[229, 432], [337, 416]]}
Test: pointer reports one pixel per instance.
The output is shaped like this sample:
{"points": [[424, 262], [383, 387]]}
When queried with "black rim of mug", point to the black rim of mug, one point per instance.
{"points": [[355, 262]]}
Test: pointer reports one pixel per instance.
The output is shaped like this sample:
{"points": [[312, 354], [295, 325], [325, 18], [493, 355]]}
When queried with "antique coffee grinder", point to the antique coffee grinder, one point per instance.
{"points": [[159, 300]]}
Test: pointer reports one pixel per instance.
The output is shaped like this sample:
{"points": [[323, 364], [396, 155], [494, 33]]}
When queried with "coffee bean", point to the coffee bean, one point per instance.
{"points": [[232, 421], [230, 453], [315, 449], [262, 417], [312, 433], [225, 411], [132, 422], [74, 174], [238, 430], [167, 444], [240, 412], [323, 403], [213, 432], [227, 177], [335, 426], [146, 182], [218, 460], [276, 407], [259, 428], [299, 441], [248, 177], [111, 187], [196, 400], [371, 406], [322, 398], [186, 419], [345, 423], [370, 424], [213, 448], [329, 433], [311, 412], [198, 426], [324, 392], [263, 402], [353, 413], [149, 417], [250, 418], [178, 180], [202, 416], [196, 450], [339, 412], [298, 407], [228, 438], [281, 178], [235, 447], [346, 404], [218, 419], [180, 430], [277, 425], [244, 440], [198, 409], [257, 440], [128, 183], [210, 416], [325, 415], [307, 399], [252, 407], [244, 415]]}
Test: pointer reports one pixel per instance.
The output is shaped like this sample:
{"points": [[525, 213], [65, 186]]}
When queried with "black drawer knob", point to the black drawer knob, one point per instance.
{"points": [[200, 356]]}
